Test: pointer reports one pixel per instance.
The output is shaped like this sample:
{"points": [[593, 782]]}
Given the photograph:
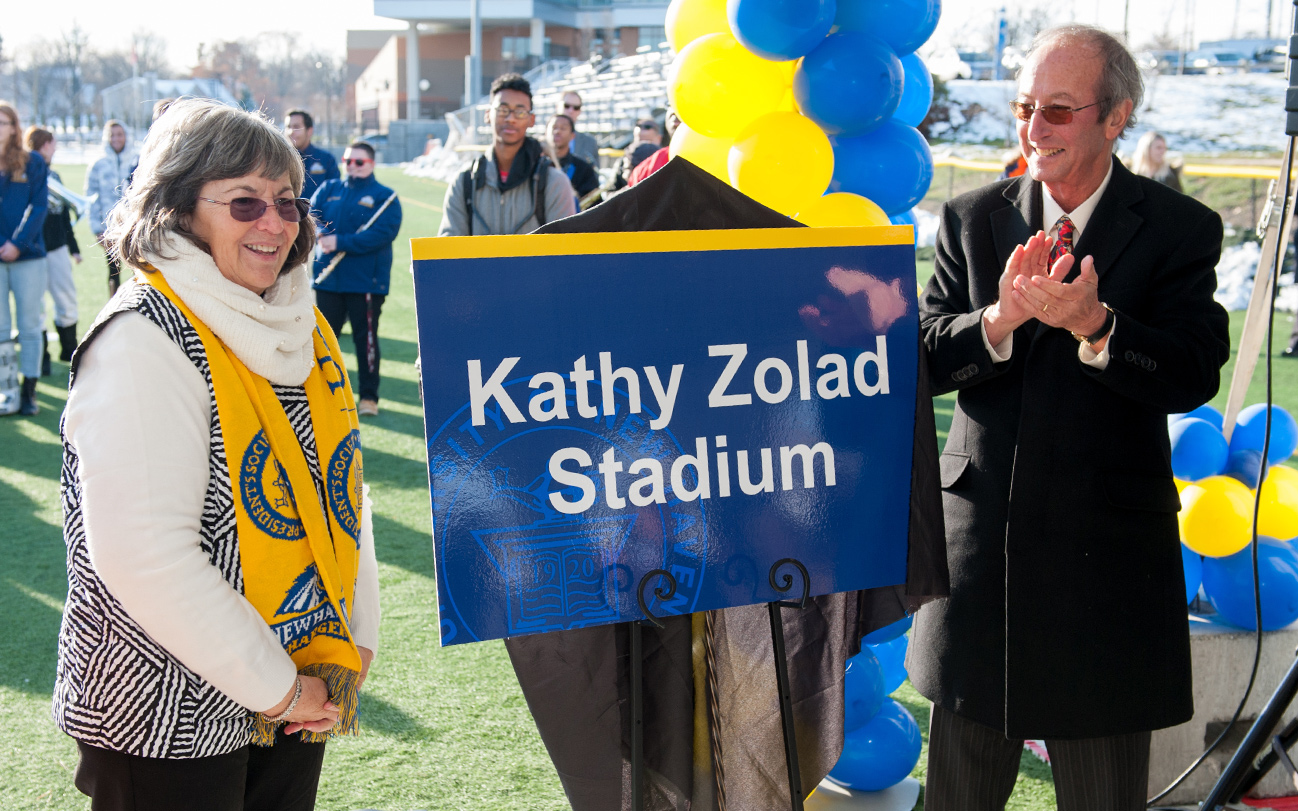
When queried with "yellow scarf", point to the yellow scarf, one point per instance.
{"points": [[299, 560]]}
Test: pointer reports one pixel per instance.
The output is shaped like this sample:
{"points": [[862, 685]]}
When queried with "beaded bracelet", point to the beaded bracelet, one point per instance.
{"points": [[292, 704]]}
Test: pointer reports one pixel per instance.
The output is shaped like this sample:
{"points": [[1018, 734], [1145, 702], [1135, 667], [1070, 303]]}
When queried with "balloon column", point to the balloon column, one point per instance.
{"points": [[1218, 486], [881, 741], [816, 125]]}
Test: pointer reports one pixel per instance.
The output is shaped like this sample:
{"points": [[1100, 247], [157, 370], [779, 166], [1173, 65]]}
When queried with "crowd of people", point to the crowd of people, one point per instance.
{"points": [[353, 261], [1071, 309]]}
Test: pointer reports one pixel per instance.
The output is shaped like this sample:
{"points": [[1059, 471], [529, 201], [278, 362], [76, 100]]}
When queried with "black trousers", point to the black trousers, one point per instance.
{"points": [[282, 777], [972, 767], [362, 310]]}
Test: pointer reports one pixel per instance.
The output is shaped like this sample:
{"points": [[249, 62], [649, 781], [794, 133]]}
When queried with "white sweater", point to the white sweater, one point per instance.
{"points": [[139, 418]]}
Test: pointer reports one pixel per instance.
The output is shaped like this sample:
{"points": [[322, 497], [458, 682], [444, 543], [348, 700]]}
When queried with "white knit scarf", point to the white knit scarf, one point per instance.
{"points": [[270, 333]]}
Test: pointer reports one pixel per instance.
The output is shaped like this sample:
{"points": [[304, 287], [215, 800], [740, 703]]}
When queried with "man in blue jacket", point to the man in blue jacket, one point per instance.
{"points": [[319, 164], [359, 219]]}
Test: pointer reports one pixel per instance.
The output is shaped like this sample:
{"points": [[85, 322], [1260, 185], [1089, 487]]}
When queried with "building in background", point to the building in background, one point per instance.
{"points": [[517, 35], [132, 101]]}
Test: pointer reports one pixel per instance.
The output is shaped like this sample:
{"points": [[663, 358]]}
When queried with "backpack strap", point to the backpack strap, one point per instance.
{"points": [[466, 182], [542, 180]]}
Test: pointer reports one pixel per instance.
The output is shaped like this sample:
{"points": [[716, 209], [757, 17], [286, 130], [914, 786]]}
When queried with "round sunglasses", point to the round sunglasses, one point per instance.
{"points": [[250, 209]]}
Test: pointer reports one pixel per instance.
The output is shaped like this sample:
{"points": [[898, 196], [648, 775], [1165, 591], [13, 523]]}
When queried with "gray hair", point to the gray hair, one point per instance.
{"points": [[1120, 77], [195, 142]]}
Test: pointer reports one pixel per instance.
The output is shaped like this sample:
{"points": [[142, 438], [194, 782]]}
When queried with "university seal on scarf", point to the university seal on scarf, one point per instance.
{"points": [[306, 613], [343, 482], [266, 493], [492, 503]]}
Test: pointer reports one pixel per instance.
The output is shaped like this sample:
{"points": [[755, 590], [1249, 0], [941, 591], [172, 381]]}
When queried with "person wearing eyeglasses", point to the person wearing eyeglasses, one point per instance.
{"points": [[319, 164], [222, 605], [1072, 310], [583, 146], [514, 188], [359, 218]]}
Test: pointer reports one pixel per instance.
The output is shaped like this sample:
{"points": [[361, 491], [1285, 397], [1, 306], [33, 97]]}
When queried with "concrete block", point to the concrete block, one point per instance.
{"points": [[830, 796], [1221, 657]]}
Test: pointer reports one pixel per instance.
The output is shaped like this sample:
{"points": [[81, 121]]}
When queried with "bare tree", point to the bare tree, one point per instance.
{"points": [[150, 51], [72, 49]]}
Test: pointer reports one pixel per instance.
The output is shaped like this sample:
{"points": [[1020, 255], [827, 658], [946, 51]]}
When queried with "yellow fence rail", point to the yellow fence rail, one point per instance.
{"points": [[1200, 170]]}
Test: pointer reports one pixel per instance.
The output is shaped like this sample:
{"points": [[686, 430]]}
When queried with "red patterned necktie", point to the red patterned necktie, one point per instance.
{"points": [[1063, 242]]}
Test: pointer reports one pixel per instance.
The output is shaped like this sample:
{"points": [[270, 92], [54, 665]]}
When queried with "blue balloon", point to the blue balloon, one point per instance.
{"points": [[892, 657], [1198, 449], [916, 91], [888, 632], [1192, 563], [903, 24], [904, 218], [1245, 465], [891, 165], [1203, 412], [862, 690], [780, 30], [1228, 582], [1251, 427], [880, 754], [850, 84]]}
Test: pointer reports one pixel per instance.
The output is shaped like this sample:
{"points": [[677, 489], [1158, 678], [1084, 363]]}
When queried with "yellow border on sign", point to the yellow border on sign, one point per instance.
{"points": [[745, 239]]}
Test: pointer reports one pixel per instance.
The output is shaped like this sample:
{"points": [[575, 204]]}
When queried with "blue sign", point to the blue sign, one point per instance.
{"points": [[599, 406]]}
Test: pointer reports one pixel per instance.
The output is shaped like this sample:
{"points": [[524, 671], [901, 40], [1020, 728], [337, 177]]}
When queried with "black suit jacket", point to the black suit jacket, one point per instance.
{"points": [[1067, 610]]}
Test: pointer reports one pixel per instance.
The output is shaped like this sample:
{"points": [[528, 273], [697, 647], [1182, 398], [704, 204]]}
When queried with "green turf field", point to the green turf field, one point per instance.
{"points": [[443, 729]]}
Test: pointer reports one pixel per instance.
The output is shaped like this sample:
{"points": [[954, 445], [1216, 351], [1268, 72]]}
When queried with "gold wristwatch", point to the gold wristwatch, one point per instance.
{"points": [[1109, 318]]}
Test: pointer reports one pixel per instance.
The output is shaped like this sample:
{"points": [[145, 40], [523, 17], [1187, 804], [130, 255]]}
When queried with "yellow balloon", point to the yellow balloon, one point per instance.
{"points": [[1181, 484], [687, 20], [709, 154], [1216, 516], [842, 208], [1278, 517], [783, 161], [718, 86], [788, 103]]}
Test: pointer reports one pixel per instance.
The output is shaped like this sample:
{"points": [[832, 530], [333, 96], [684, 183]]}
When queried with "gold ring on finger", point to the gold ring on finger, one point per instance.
{"points": [[1045, 307]]}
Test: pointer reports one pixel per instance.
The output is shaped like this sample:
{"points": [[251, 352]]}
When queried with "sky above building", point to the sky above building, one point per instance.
{"points": [[323, 23]]}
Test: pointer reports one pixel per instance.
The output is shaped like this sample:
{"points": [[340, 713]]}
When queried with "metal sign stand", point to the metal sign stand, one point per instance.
{"points": [[782, 671], [782, 585]]}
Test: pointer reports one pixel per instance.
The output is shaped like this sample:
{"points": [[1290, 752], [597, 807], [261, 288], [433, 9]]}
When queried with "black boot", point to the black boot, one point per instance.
{"points": [[27, 400], [45, 354], [67, 342]]}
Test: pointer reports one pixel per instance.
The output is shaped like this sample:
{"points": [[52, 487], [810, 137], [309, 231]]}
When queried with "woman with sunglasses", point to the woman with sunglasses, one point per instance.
{"points": [[359, 219], [24, 199], [222, 603]]}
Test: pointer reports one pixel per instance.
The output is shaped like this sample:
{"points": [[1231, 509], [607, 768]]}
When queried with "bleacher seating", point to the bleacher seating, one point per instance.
{"points": [[615, 94]]}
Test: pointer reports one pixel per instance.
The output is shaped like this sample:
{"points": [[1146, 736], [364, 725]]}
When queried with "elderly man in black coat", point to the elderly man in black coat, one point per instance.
{"points": [[1072, 309]]}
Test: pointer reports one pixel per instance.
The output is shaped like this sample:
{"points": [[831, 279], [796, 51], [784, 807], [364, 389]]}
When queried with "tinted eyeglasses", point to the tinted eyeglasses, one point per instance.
{"points": [[357, 161], [568, 106], [250, 209], [1056, 114]]}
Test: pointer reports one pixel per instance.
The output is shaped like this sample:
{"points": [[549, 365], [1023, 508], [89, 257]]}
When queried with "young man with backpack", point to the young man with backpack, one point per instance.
{"points": [[513, 188]]}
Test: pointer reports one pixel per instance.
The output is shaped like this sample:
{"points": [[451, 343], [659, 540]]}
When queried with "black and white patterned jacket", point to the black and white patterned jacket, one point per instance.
{"points": [[115, 687]]}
